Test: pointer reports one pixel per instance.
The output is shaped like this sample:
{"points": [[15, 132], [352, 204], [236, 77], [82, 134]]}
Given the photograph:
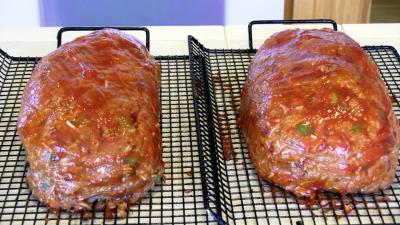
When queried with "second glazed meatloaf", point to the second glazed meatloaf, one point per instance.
{"points": [[317, 116], [89, 122]]}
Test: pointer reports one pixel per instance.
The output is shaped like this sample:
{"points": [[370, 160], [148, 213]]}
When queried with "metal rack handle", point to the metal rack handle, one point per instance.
{"points": [[257, 22], [65, 29]]}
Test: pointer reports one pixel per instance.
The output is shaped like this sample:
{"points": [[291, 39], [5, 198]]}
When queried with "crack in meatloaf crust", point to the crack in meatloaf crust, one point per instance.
{"points": [[89, 122], [317, 116]]}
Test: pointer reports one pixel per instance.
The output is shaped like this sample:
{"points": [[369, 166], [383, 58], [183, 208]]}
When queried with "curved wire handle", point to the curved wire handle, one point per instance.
{"points": [[65, 29], [256, 22]]}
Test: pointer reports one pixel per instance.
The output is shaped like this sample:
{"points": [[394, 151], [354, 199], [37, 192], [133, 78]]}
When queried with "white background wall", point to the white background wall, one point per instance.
{"points": [[241, 12], [19, 13]]}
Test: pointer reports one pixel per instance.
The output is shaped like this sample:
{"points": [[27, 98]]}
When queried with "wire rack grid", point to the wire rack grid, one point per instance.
{"points": [[177, 200], [233, 192]]}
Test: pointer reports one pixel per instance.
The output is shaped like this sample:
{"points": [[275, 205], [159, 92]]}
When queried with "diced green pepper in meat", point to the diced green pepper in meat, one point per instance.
{"points": [[304, 128], [158, 178], [357, 128], [130, 161], [334, 98]]}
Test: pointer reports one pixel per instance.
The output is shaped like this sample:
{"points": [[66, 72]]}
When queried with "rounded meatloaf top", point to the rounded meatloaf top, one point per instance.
{"points": [[89, 122], [316, 115]]}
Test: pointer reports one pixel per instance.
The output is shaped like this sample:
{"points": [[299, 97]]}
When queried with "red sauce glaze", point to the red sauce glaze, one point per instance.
{"points": [[328, 116], [190, 173], [225, 136], [89, 122]]}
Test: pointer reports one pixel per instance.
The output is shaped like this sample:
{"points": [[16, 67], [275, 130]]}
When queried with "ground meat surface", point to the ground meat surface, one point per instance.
{"points": [[89, 122], [316, 115]]}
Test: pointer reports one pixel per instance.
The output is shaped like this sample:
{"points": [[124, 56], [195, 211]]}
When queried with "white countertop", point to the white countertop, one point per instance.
{"points": [[172, 40]]}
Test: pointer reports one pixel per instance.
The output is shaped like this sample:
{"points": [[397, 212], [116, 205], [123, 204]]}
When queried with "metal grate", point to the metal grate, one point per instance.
{"points": [[178, 200], [233, 192]]}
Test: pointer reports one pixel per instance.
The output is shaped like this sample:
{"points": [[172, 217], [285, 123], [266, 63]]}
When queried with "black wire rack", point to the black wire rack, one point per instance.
{"points": [[177, 200], [232, 190]]}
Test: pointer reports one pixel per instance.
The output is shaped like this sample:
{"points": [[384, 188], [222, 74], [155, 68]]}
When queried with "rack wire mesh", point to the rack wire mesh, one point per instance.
{"points": [[177, 200], [233, 192]]}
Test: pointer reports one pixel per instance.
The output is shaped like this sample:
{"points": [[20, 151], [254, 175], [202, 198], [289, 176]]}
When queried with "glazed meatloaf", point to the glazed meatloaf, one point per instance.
{"points": [[89, 122], [316, 115]]}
